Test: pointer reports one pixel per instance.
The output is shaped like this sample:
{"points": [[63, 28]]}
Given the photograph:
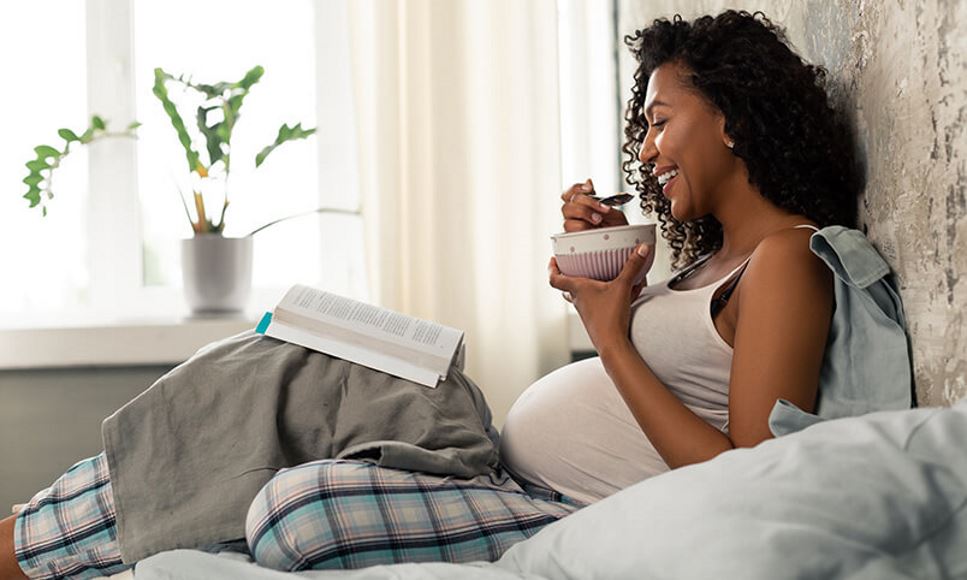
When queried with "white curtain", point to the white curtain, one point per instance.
{"points": [[458, 141]]}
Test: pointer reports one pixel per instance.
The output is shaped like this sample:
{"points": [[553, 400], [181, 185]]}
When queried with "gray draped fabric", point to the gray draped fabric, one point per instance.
{"points": [[188, 455]]}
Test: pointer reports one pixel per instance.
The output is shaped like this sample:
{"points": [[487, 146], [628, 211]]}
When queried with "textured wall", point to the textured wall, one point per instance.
{"points": [[899, 68]]}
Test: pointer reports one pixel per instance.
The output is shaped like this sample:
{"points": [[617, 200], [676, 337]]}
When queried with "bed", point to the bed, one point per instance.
{"points": [[882, 496]]}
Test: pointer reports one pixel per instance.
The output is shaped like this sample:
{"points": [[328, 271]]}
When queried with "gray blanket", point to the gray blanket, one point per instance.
{"points": [[188, 455]]}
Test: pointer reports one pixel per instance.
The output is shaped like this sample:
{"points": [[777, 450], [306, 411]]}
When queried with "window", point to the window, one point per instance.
{"points": [[42, 260], [115, 250], [590, 108]]}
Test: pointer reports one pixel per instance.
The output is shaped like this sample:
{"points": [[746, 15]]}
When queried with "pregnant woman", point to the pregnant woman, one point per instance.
{"points": [[732, 142]]}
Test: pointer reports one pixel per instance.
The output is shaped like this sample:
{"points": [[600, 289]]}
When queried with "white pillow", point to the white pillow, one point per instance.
{"points": [[879, 496], [198, 565]]}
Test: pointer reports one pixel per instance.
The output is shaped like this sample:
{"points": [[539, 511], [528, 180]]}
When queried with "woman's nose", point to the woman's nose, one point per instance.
{"points": [[648, 150]]}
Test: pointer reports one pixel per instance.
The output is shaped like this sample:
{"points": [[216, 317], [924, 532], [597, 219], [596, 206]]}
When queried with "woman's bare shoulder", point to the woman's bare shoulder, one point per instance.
{"points": [[784, 263], [787, 245]]}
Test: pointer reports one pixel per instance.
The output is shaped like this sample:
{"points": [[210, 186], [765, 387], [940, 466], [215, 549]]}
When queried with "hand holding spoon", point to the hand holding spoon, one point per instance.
{"points": [[615, 200]]}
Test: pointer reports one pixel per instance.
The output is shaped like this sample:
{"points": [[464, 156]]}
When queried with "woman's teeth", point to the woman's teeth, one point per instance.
{"points": [[665, 177]]}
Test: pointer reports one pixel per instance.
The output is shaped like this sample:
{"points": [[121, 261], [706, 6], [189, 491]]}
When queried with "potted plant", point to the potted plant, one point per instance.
{"points": [[216, 270]]}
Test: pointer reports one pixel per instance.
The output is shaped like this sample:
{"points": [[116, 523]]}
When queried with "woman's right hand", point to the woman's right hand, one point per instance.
{"points": [[582, 212]]}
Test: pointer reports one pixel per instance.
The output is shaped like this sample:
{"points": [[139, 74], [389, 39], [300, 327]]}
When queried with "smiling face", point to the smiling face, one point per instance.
{"points": [[686, 134]]}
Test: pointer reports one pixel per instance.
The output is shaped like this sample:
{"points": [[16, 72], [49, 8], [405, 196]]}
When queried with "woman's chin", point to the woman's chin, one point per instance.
{"points": [[682, 212], [679, 213]]}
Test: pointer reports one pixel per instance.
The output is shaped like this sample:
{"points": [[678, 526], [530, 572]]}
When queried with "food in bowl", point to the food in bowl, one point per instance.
{"points": [[601, 253]]}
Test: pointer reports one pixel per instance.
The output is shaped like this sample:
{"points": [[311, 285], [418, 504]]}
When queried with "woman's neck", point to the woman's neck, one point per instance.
{"points": [[747, 220]]}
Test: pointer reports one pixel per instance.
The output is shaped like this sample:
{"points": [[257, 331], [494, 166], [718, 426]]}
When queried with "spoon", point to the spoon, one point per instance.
{"points": [[615, 200]]}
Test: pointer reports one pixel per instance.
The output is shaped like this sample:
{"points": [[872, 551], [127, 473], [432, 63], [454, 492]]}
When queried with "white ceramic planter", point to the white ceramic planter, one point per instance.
{"points": [[216, 273]]}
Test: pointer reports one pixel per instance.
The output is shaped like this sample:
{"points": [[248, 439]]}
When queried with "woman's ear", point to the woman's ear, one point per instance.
{"points": [[726, 139]]}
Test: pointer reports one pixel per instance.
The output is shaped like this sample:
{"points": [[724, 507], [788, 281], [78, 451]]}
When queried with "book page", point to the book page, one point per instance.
{"points": [[435, 342], [345, 350]]}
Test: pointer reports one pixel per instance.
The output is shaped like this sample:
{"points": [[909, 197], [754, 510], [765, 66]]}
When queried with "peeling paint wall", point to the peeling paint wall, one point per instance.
{"points": [[899, 68]]}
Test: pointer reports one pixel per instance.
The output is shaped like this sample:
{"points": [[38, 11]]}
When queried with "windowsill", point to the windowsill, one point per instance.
{"points": [[146, 341], [130, 342]]}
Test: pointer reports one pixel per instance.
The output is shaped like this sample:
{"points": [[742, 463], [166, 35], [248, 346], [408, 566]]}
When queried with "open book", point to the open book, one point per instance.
{"points": [[406, 347]]}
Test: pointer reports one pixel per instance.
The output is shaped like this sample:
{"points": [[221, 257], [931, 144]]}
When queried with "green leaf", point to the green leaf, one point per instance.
{"points": [[235, 104], [33, 196], [286, 133], [251, 77], [49, 158], [45, 151], [161, 91], [223, 132], [133, 125], [212, 91], [232, 109], [162, 76], [213, 137], [33, 179]]}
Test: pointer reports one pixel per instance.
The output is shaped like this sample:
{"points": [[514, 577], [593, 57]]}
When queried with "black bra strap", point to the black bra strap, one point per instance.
{"points": [[719, 303], [690, 269]]}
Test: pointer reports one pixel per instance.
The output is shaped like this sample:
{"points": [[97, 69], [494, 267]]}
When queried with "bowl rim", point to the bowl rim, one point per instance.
{"points": [[617, 229]]}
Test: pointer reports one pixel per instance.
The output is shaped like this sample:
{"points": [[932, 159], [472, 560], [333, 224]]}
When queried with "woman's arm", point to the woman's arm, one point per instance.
{"points": [[784, 309], [680, 436], [784, 313]]}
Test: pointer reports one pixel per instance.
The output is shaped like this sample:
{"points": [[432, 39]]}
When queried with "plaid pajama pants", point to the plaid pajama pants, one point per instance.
{"points": [[331, 513], [67, 530], [352, 514]]}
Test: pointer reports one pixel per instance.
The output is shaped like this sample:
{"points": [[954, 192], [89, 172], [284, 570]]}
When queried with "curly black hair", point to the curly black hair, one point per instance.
{"points": [[798, 150]]}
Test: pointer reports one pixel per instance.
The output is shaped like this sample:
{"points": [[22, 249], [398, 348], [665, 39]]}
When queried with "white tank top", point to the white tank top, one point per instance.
{"points": [[572, 432]]}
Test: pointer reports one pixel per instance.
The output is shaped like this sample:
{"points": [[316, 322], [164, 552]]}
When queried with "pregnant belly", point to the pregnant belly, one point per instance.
{"points": [[571, 432]]}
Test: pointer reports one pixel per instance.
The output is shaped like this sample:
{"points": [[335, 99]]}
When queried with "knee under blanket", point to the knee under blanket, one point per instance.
{"points": [[188, 455]]}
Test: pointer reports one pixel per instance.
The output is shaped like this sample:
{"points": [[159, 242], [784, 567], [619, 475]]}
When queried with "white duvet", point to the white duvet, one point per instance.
{"points": [[882, 496]]}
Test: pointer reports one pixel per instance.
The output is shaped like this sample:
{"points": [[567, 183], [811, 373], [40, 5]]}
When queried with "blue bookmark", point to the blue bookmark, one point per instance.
{"points": [[264, 323]]}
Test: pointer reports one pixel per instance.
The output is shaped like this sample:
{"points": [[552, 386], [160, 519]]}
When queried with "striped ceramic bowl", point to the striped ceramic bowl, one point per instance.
{"points": [[602, 252]]}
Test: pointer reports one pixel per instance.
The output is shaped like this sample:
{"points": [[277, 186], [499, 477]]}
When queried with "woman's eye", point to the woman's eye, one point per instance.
{"points": [[658, 123]]}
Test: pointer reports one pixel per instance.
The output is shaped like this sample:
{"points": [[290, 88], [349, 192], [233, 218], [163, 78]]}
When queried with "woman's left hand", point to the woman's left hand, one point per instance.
{"points": [[605, 307]]}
